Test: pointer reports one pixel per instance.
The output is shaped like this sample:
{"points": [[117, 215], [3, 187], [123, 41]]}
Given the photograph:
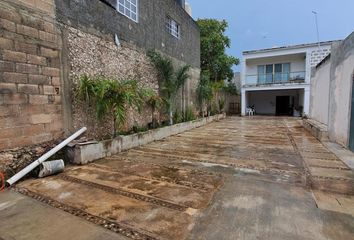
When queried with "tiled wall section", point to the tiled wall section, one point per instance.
{"points": [[30, 85]]}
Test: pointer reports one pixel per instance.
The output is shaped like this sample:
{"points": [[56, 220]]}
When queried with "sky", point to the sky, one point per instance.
{"points": [[257, 24]]}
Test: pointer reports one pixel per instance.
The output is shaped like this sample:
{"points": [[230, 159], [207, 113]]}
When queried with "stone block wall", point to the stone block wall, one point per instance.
{"points": [[98, 55], [30, 88]]}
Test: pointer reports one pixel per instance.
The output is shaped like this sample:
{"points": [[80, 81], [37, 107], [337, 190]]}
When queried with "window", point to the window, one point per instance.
{"points": [[173, 27], [273, 73], [128, 8]]}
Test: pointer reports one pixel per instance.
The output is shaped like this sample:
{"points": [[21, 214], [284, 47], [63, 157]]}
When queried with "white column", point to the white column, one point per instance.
{"points": [[307, 101], [308, 66], [243, 102]]}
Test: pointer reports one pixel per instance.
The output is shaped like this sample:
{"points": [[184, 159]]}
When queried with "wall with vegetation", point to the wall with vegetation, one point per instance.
{"points": [[46, 45]]}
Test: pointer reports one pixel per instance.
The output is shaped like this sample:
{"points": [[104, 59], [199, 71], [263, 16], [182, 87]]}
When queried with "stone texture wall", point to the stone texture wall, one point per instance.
{"points": [[30, 87], [98, 56]]}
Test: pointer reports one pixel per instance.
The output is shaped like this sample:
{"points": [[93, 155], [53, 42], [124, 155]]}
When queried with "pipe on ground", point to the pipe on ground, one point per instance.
{"points": [[36, 163]]}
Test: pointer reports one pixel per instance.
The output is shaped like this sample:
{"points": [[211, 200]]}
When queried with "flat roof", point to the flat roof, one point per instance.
{"points": [[306, 45]]}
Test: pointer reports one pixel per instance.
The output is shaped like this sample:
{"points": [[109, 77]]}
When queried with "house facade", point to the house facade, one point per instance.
{"points": [[277, 81], [46, 45]]}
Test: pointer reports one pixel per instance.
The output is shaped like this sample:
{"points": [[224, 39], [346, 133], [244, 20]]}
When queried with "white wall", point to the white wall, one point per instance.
{"points": [[332, 85], [342, 71], [265, 101], [320, 93], [297, 63]]}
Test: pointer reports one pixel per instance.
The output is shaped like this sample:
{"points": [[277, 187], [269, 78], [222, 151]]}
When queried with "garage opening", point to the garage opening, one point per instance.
{"points": [[277, 102]]}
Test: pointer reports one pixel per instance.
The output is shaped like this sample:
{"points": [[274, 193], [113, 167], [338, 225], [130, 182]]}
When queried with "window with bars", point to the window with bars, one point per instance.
{"points": [[173, 27], [128, 8]]}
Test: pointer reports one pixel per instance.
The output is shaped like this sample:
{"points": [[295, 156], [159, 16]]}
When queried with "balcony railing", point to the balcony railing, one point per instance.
{"points": [[275, 78]]}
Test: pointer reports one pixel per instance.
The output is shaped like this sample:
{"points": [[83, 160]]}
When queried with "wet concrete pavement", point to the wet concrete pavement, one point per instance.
{"points": [[240, 178], [23, 218]]}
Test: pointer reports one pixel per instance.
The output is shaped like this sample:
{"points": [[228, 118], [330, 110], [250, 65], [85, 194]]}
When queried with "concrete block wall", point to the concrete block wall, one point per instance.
{"points": [[30, 87]]}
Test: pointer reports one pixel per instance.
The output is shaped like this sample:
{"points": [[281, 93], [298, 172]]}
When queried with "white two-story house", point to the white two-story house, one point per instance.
{"points": [[277, 81]]}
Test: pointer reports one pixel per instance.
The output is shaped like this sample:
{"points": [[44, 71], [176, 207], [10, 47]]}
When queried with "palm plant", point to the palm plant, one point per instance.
{"points": [[111, 97], [155, 102], [181, 78], [204, 91], [170, 81]]}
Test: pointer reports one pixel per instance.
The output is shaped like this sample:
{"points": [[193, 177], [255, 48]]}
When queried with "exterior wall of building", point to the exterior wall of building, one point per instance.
{"points": [[30, 84], [342, 70], [297, 63], [91, 49], [148, 33], [45, 45], [320, 93], [332, 91]]}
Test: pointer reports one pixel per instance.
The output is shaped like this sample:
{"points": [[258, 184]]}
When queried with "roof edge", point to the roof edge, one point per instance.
{"points": [[297, 46]]}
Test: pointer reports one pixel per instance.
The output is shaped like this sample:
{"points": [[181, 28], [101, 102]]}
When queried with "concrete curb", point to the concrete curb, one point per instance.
{"points": [[88, 152]]}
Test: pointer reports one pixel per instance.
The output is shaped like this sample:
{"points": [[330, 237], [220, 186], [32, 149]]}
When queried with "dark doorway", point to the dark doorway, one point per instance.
{"points": [[351, 136], [283, 106]]}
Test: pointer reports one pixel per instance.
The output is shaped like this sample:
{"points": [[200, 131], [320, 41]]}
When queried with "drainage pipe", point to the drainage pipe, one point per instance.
{"points": [[36, 163]]}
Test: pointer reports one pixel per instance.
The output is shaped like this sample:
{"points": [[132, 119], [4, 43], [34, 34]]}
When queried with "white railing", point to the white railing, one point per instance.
{"points": [[275, 78]]}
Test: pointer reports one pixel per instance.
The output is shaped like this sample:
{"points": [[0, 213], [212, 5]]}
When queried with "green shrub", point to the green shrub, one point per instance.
{"points": [[139, 129], [177, 117], [221, 105], [189, 115], [111, 97]]}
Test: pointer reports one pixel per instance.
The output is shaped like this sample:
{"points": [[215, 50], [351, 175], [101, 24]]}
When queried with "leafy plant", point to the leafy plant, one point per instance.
{"points": [[177, 117], [139, 129], [170, 81], [111, 97], [231, 89], [189, 115], [155, 102], [221, 105], [214, 43], [204, 91]]}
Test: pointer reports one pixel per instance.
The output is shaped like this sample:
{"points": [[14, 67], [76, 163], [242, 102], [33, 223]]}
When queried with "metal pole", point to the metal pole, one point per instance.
{"points": [[36, 163], [318, 32]]}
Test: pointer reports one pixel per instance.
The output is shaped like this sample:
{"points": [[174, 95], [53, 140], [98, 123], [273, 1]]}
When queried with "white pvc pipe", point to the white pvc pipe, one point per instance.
{"points": [[36, 163]]}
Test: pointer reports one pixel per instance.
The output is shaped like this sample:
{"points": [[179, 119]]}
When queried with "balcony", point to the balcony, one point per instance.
{"points": [[275, 78]]}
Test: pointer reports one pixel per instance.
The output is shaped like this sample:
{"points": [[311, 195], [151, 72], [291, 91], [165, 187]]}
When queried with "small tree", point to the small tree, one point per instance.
{"points": [[170, 81], [112, 97], [214, 43]]}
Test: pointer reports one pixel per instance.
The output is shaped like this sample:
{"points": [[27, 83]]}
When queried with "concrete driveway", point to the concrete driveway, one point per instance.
{"points": [[240, 178]]}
